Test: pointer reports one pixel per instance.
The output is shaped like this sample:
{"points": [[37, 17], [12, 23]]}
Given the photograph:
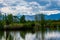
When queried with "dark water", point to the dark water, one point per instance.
{"points": [[2, 35], [21, 35]]}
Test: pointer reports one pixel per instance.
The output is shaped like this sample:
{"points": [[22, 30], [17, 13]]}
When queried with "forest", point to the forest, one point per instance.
{"points": [[11, 21]]}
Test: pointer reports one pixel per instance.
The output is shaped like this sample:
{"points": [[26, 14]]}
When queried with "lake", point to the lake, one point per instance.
{"points": [[21, 35]]}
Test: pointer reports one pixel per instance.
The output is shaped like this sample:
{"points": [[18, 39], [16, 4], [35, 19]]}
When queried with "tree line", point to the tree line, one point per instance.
{"points": [[21, 21]]}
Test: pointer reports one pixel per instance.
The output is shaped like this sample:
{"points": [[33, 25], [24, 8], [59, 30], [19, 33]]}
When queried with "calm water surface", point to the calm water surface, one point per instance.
{"points": [[20, 35]]}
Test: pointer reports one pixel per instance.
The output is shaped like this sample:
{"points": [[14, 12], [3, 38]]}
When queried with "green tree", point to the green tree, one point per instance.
{"points": [[37, 17], [9, 19], [16, 19], [42, 19], [22, 19], [1, 24], [0, 16]]}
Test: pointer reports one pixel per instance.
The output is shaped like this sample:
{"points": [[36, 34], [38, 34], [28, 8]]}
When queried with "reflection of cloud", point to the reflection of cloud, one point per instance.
{"points": [[16, 35], [30, 36], [52, 35]]}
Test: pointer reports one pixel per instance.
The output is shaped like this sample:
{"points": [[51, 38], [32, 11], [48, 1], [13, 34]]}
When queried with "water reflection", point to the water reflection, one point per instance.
{"points": [[16, 35], [2, 35], [21, 35], [54, 35]]}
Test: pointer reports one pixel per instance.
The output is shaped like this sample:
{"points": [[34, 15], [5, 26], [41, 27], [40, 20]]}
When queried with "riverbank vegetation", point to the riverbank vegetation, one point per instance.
{"points": [[38, 23]]}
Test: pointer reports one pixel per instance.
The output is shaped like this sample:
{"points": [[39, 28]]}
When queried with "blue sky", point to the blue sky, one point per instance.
{"points": [[30, 7]]}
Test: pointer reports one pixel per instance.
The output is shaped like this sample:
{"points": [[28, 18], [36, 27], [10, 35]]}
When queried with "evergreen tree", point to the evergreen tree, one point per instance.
{"points": [[22, 19], [9, 19]]}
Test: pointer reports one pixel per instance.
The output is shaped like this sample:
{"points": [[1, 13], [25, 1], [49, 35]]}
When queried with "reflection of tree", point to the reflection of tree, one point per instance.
{"points": [[1, 34], [22, 33], [8, 36]]}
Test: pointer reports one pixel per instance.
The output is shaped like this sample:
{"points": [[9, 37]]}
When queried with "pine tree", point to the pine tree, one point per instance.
{"points": [[22, 19]]}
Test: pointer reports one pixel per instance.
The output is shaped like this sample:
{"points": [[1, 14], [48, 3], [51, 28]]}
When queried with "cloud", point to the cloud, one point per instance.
{"points": [[22, 7], [58, 3], [8, 11], [1, 1], [49, 12]]}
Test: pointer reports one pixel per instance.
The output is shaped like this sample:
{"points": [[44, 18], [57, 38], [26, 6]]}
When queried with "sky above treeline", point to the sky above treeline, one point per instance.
{"points": [[30, 7]]}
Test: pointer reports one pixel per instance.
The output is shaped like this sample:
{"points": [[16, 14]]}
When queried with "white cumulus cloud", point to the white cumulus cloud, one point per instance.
{"points": [[49, 12], [23, 7]]}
